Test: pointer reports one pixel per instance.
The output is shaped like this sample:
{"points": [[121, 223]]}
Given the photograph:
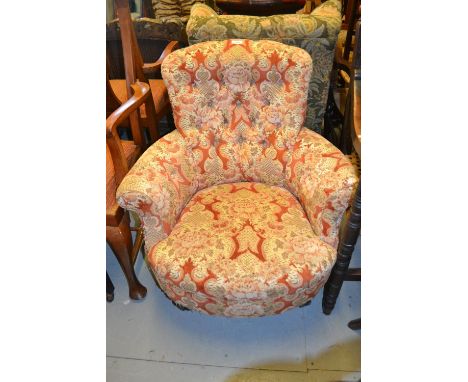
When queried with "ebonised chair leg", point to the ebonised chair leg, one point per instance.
{"points": [[109, 289], [355, 324], [348, 239]]}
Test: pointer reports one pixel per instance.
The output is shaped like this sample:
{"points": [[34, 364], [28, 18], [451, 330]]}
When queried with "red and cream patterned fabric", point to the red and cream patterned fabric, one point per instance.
{"points": [[323, 179], [242, 249], [240, 105], [241, 205], [158, 187]]}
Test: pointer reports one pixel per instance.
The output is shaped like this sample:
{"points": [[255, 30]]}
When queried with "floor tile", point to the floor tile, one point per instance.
{"points": [[330, 344], [333, 376], [168, 341], [154, 329], [124, 370]]}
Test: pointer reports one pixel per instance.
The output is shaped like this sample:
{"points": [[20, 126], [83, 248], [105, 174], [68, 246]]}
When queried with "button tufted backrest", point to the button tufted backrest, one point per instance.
{"points": [[239, 104]]}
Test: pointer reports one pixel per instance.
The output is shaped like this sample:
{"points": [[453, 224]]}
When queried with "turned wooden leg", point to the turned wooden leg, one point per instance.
{"points": [[355, 324], [109, 289], [120, 240], [348, 239]]}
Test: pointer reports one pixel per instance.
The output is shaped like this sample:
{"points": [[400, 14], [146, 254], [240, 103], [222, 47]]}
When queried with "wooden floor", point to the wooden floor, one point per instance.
{"points": [[152, 340]]}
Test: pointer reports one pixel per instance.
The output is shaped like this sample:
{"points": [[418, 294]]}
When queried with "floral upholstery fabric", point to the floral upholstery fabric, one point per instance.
{"points": [[316, 33], [166, 9], [323, 179], [240, 105], [174, 10], [242, 249], [158, 91], [240, 205], [158, 186]]}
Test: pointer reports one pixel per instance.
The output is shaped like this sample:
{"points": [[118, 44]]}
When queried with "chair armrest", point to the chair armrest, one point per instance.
{"points": [[324, 180], [140, 94], [156, 66], [158, 186]]}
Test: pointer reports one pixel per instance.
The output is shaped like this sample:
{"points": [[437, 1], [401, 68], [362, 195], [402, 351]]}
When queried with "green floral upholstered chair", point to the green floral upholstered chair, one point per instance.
{"points": [[240, 205], [316, 33], [176, 10]]}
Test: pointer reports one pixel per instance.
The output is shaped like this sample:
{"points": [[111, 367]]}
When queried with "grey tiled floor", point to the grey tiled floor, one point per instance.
{"points": [[152, 340]]}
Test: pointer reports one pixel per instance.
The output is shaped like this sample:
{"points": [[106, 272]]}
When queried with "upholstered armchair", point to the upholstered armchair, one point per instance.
{"points": [[240, 205], [316, 33]]}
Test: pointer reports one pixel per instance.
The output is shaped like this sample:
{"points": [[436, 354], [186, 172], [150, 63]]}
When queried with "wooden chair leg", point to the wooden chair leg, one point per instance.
{"points": [[120, 240], [348, 239], [109, 289], [355, 324]]}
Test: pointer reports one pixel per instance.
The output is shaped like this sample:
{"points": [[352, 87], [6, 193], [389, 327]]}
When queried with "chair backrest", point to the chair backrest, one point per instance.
{"points": [[152, 36], [240, 105], [118, 154], [133, 63], [316, 33]]}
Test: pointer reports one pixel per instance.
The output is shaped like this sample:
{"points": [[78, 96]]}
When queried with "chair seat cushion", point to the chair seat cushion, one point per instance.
{"points": [[158, 90], [242, 249]]}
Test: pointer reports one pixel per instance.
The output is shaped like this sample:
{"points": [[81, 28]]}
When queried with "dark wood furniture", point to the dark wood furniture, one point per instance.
{"points": [[109, 289], [341, 271], [147, 9], [120, 156], [353, 94], [352, 221], [136, 69], [335, 120], [259, 7]]}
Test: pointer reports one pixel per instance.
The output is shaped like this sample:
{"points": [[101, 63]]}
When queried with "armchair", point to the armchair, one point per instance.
{"points": [[162, 21], [120, 155], [240, 205], [135, 68], [315, 32]]}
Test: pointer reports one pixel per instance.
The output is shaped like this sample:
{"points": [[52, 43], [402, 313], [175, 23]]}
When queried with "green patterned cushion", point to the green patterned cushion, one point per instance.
{"points": [[166, 9], [169, 10], [316, 33]]}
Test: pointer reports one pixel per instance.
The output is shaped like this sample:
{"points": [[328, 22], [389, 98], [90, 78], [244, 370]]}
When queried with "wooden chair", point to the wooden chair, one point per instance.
{"points": [[120, 156], [352, 221], [136, 69], [335, 120]]}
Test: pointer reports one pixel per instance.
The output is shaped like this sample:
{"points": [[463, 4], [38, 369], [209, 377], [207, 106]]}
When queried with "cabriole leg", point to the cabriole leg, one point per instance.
{"points": [[120, 240]]}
